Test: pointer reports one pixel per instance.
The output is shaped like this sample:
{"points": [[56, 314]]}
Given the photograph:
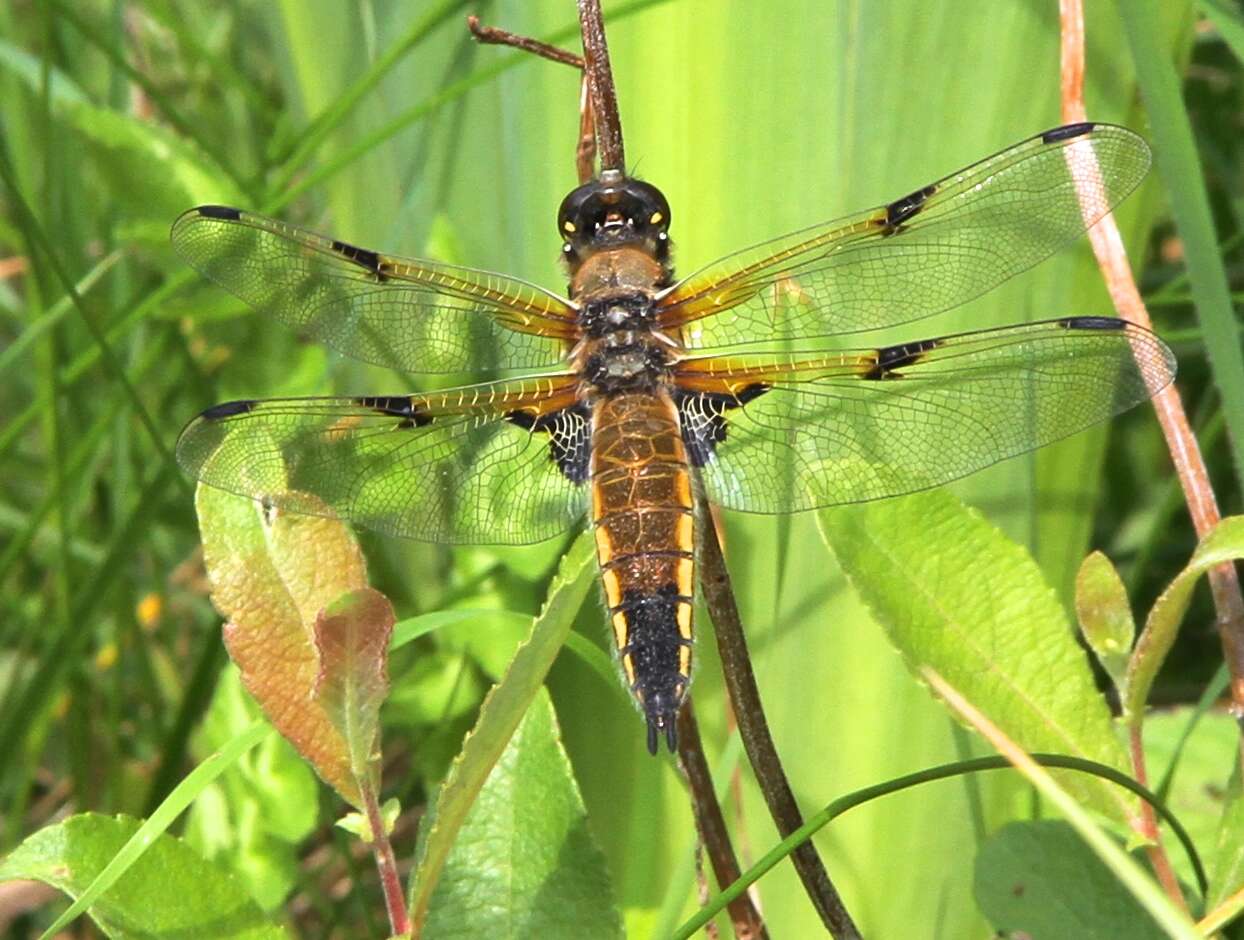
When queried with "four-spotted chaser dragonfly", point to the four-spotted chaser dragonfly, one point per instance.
{"points": [[637, 383]]}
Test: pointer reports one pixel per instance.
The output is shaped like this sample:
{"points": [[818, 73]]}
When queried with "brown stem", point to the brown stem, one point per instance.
{"points": [[1180, 441], [604, 95], [712, 825], [386, 863], [1185, 452], [754, 730], [1147, 824]]}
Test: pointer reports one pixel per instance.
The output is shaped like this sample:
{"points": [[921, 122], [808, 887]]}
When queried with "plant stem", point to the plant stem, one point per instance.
{"points": [[746, 920], [754, 730], [386, 862], [600, 78]]}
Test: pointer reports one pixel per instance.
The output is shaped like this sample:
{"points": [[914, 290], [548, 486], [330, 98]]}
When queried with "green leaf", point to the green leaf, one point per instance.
{"points": [[170, 891], [1105, 615], [525, 863], [1225, 543], [499, 717], [352, 639], [271, 575], [1040, 879], [954, 594]]}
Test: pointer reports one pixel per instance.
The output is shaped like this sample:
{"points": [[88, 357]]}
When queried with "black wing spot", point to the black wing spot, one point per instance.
{"points": [[228, 213], [569, 437], [228, 409], [702, 418], [900, 210], [1092, 323], [890, 358], [363, 257], [397, 406], [1067, 132]]}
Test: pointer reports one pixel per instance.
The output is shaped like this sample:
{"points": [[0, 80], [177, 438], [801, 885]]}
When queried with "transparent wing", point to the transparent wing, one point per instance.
{"points": [[794, 434], [932, 250], [407, 314], [483, 464]]}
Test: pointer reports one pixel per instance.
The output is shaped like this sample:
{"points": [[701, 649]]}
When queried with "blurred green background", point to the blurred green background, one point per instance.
{"points": [[754, 119]]}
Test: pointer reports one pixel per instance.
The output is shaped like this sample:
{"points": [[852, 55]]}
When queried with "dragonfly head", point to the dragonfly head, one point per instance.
{"points": [[613, 211]]}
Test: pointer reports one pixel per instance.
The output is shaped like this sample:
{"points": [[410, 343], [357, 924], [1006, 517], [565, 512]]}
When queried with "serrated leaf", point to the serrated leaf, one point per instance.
{"points": [[500, 715], [1040, 879], [352, 639], [954, 594], [169, 891], [1105, 615], [1225, 543], [524, 863], [271, 575]]}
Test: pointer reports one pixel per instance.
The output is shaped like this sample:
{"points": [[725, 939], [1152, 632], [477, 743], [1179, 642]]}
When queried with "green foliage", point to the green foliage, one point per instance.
{"points": [[170, 891], [392, 129], [499, 716], [524, 863], [957, 596], [1040, 879]]}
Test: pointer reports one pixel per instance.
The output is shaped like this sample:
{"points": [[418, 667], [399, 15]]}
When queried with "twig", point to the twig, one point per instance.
{"points": [[1185, 453], [712, 825], [492, 36], [585, 149], [600, 79], [754, 730], [386, 862], [1182, 443]]}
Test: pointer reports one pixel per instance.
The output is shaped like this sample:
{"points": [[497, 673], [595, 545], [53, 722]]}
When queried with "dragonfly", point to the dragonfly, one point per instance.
{"points": [[637, 393]]}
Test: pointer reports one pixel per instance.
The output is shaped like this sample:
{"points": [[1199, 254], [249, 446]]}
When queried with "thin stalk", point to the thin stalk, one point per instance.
{"points": [[1182, 443], [712, 825], [754, 730], [600, 79]]}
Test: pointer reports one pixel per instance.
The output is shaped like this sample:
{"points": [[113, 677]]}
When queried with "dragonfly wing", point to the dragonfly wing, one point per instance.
{"points": [[502, 463], [777, 433], [927, 252], [406, 314]]}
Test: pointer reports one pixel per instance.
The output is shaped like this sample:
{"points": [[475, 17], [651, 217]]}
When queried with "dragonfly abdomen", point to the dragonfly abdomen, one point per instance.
{"points": [[642, 515]]}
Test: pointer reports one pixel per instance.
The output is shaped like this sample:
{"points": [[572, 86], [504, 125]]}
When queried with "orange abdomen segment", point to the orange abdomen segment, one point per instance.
{"points": [[642, 515]]}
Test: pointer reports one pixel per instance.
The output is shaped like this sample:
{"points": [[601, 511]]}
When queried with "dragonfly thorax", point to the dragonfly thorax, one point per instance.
{"points": [[626, 360]]}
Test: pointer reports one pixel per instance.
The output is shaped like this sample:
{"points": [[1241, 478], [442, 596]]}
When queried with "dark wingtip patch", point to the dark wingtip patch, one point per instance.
{"points": [[1067, 132], [228, 409], [1093, 323], [227, 213]]}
